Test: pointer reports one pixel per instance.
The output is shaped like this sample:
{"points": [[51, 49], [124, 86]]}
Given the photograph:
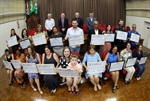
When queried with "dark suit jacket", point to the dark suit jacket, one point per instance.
{"points": [[80, 22], [89, 23], [65, 24], [92, 31]]}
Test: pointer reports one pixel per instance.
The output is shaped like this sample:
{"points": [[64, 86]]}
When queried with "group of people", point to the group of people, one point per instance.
{"points": [[61, 56]]}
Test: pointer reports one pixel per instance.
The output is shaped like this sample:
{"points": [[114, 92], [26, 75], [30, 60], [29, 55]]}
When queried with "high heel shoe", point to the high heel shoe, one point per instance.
{"points": [[34, 88], [114, 89], [41, 92]]}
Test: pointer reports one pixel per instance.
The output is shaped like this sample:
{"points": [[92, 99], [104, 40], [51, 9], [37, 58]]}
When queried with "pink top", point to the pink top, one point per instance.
{"points": [[78, 67]]}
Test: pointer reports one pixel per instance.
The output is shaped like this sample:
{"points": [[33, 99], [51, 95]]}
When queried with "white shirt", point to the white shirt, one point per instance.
{"points": [[49, 24], [96, 32]]}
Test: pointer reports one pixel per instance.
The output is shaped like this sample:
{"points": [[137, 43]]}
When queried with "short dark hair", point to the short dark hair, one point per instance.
{"points": [[11, 31], [7, 50], [50, 48], [74, 20]]}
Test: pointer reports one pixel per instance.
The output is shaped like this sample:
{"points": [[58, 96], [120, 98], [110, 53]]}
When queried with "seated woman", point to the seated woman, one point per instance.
{"points": [[52, 81], [92, 56], [124, 55], [141, 67], [33, 57], [19, 73], [73, 82], [9, 57], [113, 56]]}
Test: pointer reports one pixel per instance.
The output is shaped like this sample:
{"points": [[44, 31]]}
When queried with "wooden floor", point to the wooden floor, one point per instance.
{"points": [[136, 91]]}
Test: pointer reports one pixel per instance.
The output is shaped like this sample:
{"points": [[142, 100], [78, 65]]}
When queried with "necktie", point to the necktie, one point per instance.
{"points": [[62, 23]]}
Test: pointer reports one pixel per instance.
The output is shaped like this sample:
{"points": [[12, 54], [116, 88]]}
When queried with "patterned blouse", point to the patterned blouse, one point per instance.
{"points": [[124, 55]]}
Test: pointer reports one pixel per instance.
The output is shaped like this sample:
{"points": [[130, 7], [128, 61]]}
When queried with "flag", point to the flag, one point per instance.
{"points": [[31, 7], [36, 7], [27, 8]]}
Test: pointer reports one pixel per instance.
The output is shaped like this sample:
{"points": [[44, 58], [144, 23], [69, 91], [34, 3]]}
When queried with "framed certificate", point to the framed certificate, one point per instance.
{"points": [[16, 63], [12, 41], [68, 73], [46, 69], [56, 41], [116, 66], [29, 67], [25, 43], [96, 67], [121, 35], [135, 37], [7, 65], [98, 39], [109, 37], [76, 40], [39, 39], [143, 60], [131, 62]]}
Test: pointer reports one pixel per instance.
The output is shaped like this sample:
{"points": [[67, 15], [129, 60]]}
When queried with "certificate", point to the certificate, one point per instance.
{"points": [[46, 69], [56, 41], [131, 62], [39, 39], [134, 37], [121, 35], [68, 73], [115, 66], [12, 41], [76, 40], [143, 60], [29, 67], [7, 65], [109, 37], [16, 63], [96, 67], [98, 39], [25, 43]]}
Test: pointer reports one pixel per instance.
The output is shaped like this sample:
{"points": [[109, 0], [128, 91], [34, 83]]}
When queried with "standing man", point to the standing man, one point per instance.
{"points": [[49, 24], [79, 20], [74, 30], [90, 20]]}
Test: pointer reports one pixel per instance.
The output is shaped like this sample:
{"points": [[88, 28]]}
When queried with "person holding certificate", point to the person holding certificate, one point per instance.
{"points": [[56, 34], [9, 57], [19, 73], [52, 81], [124, 55], [92, 56], [73, 82], [107, 45], [141, 67], [33, 57], [113, 56], [133, 44]]}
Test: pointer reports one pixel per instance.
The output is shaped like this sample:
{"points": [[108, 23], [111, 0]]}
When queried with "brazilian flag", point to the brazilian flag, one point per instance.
{"points": [[31, 7], [36, 7]]}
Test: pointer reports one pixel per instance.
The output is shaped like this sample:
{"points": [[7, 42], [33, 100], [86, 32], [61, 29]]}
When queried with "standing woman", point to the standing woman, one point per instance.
{"points": [[56, 34], [107, 45], [113, 56], [92, 56], [9, 57], [124, 55], [33, 57], [52, 81], [139, 54], [19, 73]]}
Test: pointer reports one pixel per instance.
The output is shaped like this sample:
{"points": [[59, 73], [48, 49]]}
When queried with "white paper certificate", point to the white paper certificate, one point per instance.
{"points": [[25, 43], [115, 66], [134, 37], [12, 41], [121, 35], [46, 69], [96, 67], [29, 67], [56, 41], [76, 40], [98, 39], [68, 73], [39, 39], [7, 65], [16, 63], [143, 60], [131, 62], [109, 37]]}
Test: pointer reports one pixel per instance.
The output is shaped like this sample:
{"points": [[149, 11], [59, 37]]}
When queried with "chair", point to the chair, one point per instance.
{"points": [[127, 28], [70, 25], [76, 54], [84, 29], [104, 26]]}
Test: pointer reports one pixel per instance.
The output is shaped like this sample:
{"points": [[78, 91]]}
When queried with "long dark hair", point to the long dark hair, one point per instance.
{"points": [[33, 52], [113, 48], [7, 50], [137, 47], [91, 47], [50, 48], [38, 27], [26, 33], [11, 31], [110, 28]]}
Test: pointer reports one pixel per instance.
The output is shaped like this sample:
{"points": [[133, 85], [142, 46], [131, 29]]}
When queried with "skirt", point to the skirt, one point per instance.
{"points": [[19, 75]]}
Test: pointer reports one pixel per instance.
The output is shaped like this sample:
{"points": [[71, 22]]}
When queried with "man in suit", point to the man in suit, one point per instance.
{"points": [[63, 24], [90, 20], [80, 20], [94, 31]]}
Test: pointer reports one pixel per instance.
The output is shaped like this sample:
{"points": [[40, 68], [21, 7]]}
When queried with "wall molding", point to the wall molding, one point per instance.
{"points": [[11, 13], [137, 9]]}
